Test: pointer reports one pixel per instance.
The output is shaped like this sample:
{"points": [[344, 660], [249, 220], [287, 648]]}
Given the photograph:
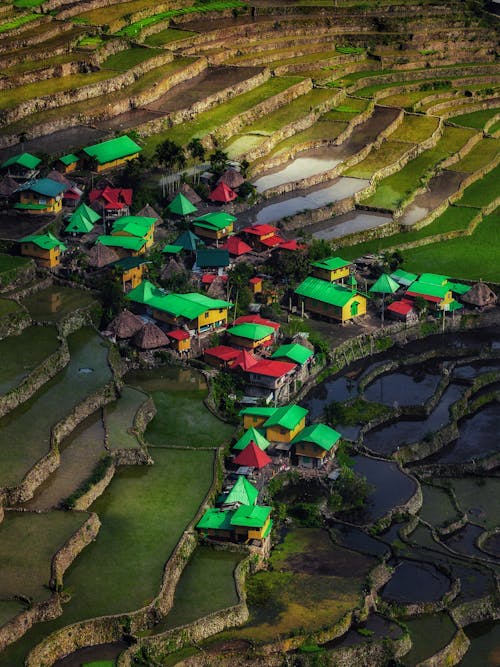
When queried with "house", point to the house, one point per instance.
{"points": [[331, 269], [188, 241], [404, 278], [403, 310], [251, 336], [111, 203], [440, 296], [135, 226], [272, 375], [147, 211], [285, 423], [252, 434], [180, 340], [256, 284], [41, 197], [180, 205], [67, 163], [46, 249], [223, 194], [295, 353], [315, 445], [21, 167], [212, 259], [216, 523], [330, 300], [256, 416], [232, 178], [221, 356], [480, 296], [256, 319], [125, 246], [244, 361], [236, 246], [252, 457], [131, 270], [112, 153], [262, 236], [82, 221], [150, 337], [251, 522], [242, 493], [126, 325], [214, 226], [198, 312]]}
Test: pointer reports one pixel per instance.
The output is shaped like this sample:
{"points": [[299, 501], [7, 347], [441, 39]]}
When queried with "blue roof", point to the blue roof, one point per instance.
{"points": [[45, 186]]}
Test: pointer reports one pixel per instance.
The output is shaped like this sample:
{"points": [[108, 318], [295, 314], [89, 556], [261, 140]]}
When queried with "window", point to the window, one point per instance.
{"points": [[206, 315]]}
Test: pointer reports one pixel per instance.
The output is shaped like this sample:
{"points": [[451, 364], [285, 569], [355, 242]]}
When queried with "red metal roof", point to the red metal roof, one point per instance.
{"points": [[427, 297], [255, 281], [208, 278], [272, 241], [260, 230], [112, 196], [222, 193], [236, 246], [178, 334], [245, 360], [252, 456], [272, 368], [402, 307], [256, 319], [223, 352], [292, 245]]}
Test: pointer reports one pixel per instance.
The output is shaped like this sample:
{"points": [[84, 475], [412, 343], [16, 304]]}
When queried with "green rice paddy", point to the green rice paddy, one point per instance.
{"points": [[9, 307], [323, 130], [478, 498], [167, 36], [483, 191], [11, 263], [437, 508], [22, 354], [9, 609], [484, 152], [54, 303], [124, 60], [415, 128], [119, 418], [429, 634], [25, 432], [18, 21], [388, 153], [476, 119]]}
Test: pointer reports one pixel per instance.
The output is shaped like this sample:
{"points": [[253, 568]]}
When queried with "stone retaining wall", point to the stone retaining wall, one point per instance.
{"points": [[451, 654], [14, 323], [54, 29]]}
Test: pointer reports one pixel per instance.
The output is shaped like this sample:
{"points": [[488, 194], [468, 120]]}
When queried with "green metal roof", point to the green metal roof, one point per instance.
{"points": [[384, 285], [111, 150], [189, 305], [258, 411], [320, 290], [288, 417], [252, 434], [433, 278], [294, 351], [331, 263], [127, 263], [68, 159], [30, 207], [251, 331], [216, 217], [454, 305], [45, 241], [131, 228], [82, 220], [215, 519], [144, 292], [125, 242], [172, 249], [23, 159], [242, 492], [403, 277], [251, 516], [189, 241], [318, 434], [181, 205], [212, 257], [420, 287], [458, 288]]}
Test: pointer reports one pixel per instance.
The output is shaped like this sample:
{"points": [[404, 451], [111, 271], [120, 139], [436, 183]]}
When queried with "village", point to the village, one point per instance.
{"points": [[231, 285]]}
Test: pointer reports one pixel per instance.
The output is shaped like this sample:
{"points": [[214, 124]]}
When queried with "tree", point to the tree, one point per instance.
{"points": [[319, 249], [172, 157], [197, 151], [350, 491], [218, 162], [133, 172]]}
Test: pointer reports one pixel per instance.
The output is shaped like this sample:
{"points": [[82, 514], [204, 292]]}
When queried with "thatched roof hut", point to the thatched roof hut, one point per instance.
{"points": [[217, 289], [8, 186], [190, 194], [150, 337], [480, 295], [101, 255], [172, 268], [55, 175], [231, 178], [149, 212], [126, 325]]}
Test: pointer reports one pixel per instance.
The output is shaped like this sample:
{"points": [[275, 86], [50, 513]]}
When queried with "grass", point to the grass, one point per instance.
{"points": [[484, 152], [9, 262], [415, 129], [8, 307], [483, 191], [21, 354], [479, 495], [119, 419], [358, 411], [394, 189], [388, 153], [182, 418], [470, 257], [346, 111], [54, 303], [209, 121], [40, 535], [327, 130], [167, 36], [33, 65], [454, 218], [437, 508], [405, 100], [29, 426], [9, 609], [206, 585], [27, 3], [494, 128], [18, 21], [124, 60], [476, 119]]}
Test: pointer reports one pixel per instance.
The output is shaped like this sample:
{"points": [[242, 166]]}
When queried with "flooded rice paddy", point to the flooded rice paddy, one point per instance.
{"points": [[348, 223], [310, 163], [56, 302], [440, 187], [413, 385], [415, 582]]}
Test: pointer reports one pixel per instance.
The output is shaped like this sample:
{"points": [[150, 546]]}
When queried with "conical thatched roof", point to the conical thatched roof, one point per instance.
{"points": [[172, 268], [55, 175], [149, 212], [480, 295], [126, 325], [150, 337], [190, 194], [217, 289], [101, 255], [232, 178], [8, 186]]}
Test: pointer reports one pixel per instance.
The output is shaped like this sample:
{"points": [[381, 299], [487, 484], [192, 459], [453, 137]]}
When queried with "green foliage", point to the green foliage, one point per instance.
{"points": [[99, 473], [306, 514], [364, 632], [354, 412], [319, 249], [227, 391], [349, 492], [218, 162], [170, 155]]}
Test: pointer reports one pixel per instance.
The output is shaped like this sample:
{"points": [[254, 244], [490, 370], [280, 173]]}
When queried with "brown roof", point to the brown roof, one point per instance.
{"points": [[232, 178], [150, 336], [149, 212], [217, 289], [190, 194], [480, 295], [101, 255], [55, 175], [172, 268], [126, 325], [7, 186]]}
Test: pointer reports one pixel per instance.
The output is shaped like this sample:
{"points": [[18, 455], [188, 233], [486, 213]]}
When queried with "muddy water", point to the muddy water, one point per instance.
{"points": [[349, 223], [308, 164], [378, 627], [411, 386], [57, 143], [358, 540], [439, 189], [469, 371], [429, 634], [484, 649], [387, 439], [414, 582]]}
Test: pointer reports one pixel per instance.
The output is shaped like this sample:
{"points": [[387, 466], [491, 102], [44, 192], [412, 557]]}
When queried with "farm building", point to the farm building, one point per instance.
{"points": [[330, 300], [41, 196], [112, 153], [315, 444], [331, 269]]}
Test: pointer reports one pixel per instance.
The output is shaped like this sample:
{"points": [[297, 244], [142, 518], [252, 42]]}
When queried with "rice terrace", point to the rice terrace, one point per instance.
{"points": [[249, 333]]}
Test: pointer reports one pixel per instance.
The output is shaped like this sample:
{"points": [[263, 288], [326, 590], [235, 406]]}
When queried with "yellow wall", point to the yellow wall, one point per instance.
{"points": [[115, 163], [214, 234], [212, 316], [331, 276], [311, 450], [346, 310], [253, 420], [246, 342], [256, 287], [134, 276], [52, 205], [258, 533], [67, 168], [45, 258], [448, 298], [182, 345], [335, 312], [279, 434]]}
